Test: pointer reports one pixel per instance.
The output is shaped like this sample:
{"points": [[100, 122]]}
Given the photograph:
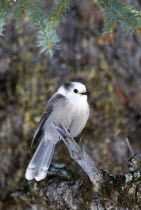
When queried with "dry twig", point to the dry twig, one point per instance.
{"points": [[79, 155]]}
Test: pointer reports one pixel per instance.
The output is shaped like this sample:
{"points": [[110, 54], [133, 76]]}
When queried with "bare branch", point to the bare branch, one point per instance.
{"points": [[79, 155]]}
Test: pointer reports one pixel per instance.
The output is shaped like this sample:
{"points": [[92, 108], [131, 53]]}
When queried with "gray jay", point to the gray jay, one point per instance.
{"points": [[67, 106]]}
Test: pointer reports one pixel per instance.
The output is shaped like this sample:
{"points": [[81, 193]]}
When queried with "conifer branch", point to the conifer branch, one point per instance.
{"points": [[117, 14], [48, 39], [58, 10], [4, 14], [21, 9]]}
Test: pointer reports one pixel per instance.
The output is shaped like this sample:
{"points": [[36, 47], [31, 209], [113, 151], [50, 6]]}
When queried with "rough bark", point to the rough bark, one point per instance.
{"points": [[28, 79], [60, 190], [100, 191], [80, 155]]}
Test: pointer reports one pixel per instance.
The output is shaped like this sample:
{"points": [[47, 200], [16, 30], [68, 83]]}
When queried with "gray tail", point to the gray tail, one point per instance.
{"points": [[40, 162]]}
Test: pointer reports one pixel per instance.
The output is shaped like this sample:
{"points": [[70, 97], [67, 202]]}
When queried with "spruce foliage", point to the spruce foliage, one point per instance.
{"points": [[117, 14], [120, 14]]}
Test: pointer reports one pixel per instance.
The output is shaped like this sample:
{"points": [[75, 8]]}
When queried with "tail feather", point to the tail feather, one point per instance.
{"points": [[42, 157], [44, 166]]}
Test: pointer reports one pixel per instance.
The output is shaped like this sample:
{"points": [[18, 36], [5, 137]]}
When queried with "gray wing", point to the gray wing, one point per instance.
{"points": [[58, 98]]}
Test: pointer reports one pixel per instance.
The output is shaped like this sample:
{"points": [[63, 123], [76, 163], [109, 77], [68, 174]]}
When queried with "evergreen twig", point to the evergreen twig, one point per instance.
{"points": [[117, 14]]}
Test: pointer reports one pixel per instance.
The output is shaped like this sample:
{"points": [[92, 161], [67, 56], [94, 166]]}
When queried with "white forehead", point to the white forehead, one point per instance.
{"points": [[70, 86], [79, 86]]}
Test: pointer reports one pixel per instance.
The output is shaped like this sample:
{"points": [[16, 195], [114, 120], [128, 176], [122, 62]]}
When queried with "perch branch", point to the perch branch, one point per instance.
{"points": [[79, 155]]}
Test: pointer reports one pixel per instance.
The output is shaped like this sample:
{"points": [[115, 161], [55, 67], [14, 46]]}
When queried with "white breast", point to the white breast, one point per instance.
{"points": [[73, 115], [80, 114]]}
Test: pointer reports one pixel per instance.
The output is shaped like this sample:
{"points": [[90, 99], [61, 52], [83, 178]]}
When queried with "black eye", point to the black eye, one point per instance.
{"points": [[75, 90]]}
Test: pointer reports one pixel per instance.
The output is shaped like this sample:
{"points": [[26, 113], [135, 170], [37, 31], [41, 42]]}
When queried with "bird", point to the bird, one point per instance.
{"points": [[69, 107]]}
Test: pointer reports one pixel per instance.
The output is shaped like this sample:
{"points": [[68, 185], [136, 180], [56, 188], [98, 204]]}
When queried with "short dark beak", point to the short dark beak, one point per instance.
{"points": [[86, 93]]}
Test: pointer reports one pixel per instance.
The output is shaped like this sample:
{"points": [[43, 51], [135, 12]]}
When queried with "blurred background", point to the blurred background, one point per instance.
{"points": [[111, 70]]}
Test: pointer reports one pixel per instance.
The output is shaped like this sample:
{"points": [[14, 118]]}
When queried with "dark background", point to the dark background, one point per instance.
{"points": [[111, 71]]}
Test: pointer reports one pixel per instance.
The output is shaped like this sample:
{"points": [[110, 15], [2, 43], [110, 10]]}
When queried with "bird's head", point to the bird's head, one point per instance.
{"points": [[74, 91]]}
